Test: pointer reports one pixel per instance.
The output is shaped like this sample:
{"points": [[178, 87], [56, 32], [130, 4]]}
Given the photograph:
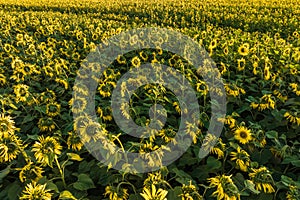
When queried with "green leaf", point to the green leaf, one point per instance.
{"points": [[84, 182], [272, 134], [52, 186], [74, 156], [28, 118], [14, 190], [174, 193], [66, 195], [213, 163], [4, 172], [296, 163]]}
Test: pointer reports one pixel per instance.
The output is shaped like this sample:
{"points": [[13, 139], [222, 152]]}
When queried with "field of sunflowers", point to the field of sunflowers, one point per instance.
{"points": [[256, 47]]}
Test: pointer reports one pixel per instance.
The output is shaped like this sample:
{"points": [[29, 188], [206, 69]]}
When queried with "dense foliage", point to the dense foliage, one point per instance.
{"points": [[256, 47]]}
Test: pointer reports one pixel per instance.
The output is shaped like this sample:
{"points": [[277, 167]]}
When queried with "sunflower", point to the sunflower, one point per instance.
{"points": [[189, 192], [92, 130], [293, 193], [143, 55], [74, 141], [242, 134], [262, 179], [63, 82], [121, 59], [267, 74], [153, 193], [78, 104], [244, 49], [295, 88], [7, 125], [47, 96], [2, 79], [46, 124], [52, 109], [21, 92], [30, 172], [116, 193], [226, 189], [293, 118], [45, 149], [136, 62], [241, 158], [34, 191], [226, 50], [223, 68], [9, 148], [168, 135], [105, 89], [241, 64], [213, 44]]}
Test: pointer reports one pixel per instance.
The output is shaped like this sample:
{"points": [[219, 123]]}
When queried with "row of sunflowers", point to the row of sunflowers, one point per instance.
{"points": [[256, 48]]}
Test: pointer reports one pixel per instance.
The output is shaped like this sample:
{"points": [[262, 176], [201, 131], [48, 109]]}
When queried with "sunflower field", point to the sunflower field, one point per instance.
{"points": [[255, 45]]}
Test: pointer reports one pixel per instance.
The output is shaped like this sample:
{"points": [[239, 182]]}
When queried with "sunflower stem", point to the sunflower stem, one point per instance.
{"points": [[60, 171]]}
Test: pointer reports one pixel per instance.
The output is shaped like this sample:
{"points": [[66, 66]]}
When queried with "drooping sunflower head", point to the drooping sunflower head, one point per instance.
{"points": [[30, 172], [22, 92], [190, 192], [74, 141], [52, 109], [243, 135], [153, 178], [34, 191], [153, 193], [226, 189], [47, 96], [116, 193], [262, 179], [9, 148], [7, 125], [242, 159], [46, 124]]}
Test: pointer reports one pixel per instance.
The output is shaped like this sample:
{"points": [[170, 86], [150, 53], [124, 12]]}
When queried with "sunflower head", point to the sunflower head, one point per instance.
{"points": [[7, 125], [46, 149], [243, 135], [34, 191], [10, 146], [30, 172]]}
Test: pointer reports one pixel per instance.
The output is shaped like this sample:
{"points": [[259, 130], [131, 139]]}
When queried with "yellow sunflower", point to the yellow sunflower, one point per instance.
{"points": [[9, 148], [241, 158], [116, 193], [34, 191], [21, 92], [262, 179], [45, 150], [244, 49], [226, 189], [153, 193], [7, 125], [30, 172], [52, 109], [242, 134], [136, 62], [74, 141]]}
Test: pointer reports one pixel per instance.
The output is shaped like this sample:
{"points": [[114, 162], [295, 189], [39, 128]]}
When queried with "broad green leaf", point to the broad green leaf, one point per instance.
{"points": [[84, 182], [4, 172]]}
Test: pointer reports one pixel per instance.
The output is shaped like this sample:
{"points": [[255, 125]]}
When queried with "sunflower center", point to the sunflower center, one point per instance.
{"points": [[3, 127], [243, 134]]}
